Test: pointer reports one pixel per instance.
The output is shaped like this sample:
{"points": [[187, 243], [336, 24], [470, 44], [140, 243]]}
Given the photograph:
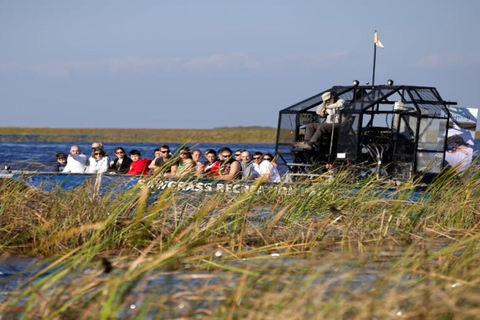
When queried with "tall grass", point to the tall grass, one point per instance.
{"points": [[320, 251]]}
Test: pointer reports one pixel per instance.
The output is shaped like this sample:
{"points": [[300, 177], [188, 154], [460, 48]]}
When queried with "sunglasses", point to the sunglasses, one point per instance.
{"points": [[164, 151], [226, 155], [120, 152], [238, 154], [97, 154], [268, 159], [257, 158]]}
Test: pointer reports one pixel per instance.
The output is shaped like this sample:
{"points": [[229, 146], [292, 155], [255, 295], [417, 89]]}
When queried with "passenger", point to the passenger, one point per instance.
{"points": [[229, 168], [98, 161], [138, 165], [220, 153], [165, 162], [76, 161], [329, 108], [238, 154], [196, 156], [246, 164], [212, 164], [157, 154], [184, 166], [122, 163], [97, 144], [60, 163], [274, 175], [207, 151], [263, 168]]}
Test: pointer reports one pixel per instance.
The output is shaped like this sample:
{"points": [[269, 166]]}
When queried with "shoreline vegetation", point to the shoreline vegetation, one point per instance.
{"points": [[316, 253], [215, 135]]}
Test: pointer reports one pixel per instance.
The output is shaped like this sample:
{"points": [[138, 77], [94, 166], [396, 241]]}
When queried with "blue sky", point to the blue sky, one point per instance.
{"points": [[206, 64]]}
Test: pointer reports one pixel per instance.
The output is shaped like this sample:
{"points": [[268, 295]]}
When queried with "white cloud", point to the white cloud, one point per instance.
{"points": [[62, 69], [235, 60], [449, 59]]}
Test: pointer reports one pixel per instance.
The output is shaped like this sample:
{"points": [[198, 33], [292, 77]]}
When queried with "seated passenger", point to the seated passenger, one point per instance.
{"points": [[98, 161], [138, 165], [122, 163], [196, 156], [211, 166], [60, 163], [76, 161], [164, 162], [157, 154], [329, 108], [238, 154], [229, 168], [246, 164], [263, 167], [184, 166]]}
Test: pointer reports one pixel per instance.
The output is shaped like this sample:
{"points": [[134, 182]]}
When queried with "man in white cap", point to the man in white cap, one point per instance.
{"points": [[329, 108]]}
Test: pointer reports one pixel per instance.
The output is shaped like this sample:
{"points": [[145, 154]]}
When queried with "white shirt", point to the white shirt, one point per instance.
{"points": [[332, 110], [75, 163], [98, 166], [266, 168]]}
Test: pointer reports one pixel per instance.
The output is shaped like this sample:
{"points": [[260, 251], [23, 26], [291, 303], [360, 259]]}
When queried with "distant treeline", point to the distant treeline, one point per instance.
{"points": [[216, 135]]}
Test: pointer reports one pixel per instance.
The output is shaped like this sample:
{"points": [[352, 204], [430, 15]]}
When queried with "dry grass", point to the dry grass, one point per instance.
{"points": [[216, 135], [318, 252]]}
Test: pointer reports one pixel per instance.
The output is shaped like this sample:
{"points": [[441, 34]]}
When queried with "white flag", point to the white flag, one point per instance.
{"points": [[376, 41]]}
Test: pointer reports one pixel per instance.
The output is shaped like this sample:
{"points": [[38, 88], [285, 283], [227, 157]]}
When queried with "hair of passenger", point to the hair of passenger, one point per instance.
{"points": [[185, 150], [210, 151], [135, 152], [98, 150], [225, 149], [268, 154], [119, 148], [258, 153], [240, 150], [197, 150], [61, 155], [156, 149], [164, 146], [98, 142]]}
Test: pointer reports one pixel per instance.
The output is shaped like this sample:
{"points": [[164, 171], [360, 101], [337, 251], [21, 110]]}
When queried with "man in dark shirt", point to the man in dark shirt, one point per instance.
{"points": [[162, 163]]}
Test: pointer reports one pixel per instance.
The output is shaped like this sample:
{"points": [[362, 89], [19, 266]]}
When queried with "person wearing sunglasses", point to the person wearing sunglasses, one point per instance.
{"points": [[76, 161], [98, 162], [238, 154], [164, 162], [263, 167], [122, 163], [184, 165], [229, 167]]}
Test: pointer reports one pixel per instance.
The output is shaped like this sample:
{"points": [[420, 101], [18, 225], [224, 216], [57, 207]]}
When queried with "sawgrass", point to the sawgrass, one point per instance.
{"points": [[215, 135], [316, 252]]}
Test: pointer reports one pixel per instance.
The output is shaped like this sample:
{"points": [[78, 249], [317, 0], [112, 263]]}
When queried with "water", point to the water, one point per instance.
{"points": [[41, 155]]}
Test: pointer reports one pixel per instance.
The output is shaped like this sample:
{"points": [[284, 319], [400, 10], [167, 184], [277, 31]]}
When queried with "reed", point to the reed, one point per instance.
{"points": [[323, 251], [79, 135]]}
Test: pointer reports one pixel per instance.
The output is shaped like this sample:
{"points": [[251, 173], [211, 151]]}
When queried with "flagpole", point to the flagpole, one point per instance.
{"points": [[374, 61]]}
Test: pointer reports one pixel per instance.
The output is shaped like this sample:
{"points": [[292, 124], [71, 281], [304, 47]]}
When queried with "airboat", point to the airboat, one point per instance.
{"points": [[392, 131]]}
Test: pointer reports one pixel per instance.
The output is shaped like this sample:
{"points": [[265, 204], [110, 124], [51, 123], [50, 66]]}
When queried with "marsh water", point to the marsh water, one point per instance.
{"points": [[41, 155]]}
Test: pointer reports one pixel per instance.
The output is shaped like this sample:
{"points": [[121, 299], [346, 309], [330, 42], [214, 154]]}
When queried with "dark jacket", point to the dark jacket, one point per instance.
{"points": [[123, 167]]}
